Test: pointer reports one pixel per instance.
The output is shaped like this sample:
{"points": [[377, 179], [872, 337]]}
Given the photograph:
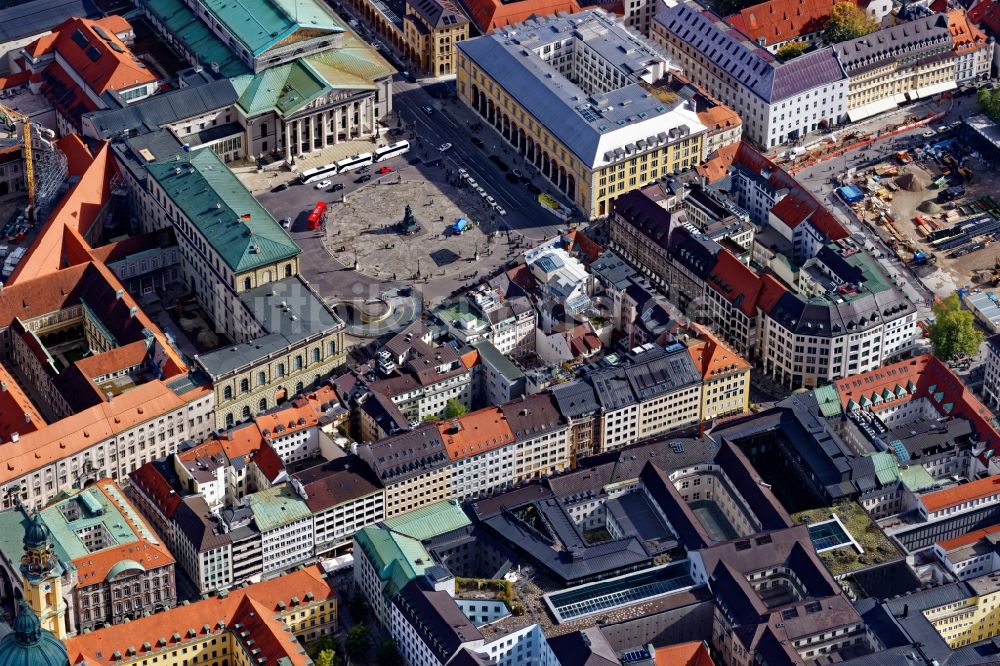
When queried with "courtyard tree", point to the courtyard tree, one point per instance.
{"points": [[326, 658], [847, 21], [792, 49], [453, 409], [359, 639], [954, 331], [989, 102]]}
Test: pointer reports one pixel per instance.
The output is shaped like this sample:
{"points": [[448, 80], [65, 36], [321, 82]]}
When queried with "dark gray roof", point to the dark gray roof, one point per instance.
{"points": [[531, 416], [288, 310], [575, 399], [192, 517], [439, 13], [750, 64], [611, 269], [154, 112], [588, 647], [437, 619], [929, 34], [407, 454], [337, 481], [32, 18]]}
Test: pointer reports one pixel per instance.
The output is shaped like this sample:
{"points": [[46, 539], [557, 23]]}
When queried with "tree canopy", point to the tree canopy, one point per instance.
{"points": [[954, 331], [847, 21], [326, 658], [989, 102], [792, 49], [453, 409], [359, 640]]}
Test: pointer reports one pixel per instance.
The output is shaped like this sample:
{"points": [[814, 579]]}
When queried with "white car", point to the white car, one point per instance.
{"points": [[287, 223], [444, 147], [491, 201], [482, 192], [473, 184], [929, 133], [462, 172], [501, 209], [323, 184]]}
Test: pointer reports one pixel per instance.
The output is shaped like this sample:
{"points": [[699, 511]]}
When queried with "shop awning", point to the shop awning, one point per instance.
{"points": [[936, 89], [871, 109]]}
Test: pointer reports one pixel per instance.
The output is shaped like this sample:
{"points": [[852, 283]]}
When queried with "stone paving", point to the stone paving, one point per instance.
{"points": [[364, 226]]}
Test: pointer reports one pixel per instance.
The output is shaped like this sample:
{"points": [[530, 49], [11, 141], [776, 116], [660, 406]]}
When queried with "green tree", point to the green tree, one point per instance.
{"points": [[847, 21], [359, 639], [954, 331], [792, 49], [322, 644], [989, 102], [326, 658], [388, 654], [453, 409]]}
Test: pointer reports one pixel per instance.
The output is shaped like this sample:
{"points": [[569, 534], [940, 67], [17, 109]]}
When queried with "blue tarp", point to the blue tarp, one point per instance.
{"points": [[461, 224], [850, 193]]}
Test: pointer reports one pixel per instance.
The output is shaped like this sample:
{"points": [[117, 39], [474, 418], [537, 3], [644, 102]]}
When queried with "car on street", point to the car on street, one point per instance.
{"points": [[477, 142], [287, 223], [942, 129], [512, 179], [444, 147], [428, 110], [462, 172], [280, 188], [337, 187], [364, 178], [491, 201], [501, 210], [473, 184], [929, 133], [516, 173], [534, 189], [385, 169], [364, 169], [323, 184], [396, 131], [500, 163], [482, 192]]}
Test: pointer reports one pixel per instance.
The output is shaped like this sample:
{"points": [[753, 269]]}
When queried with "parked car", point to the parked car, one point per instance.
{"points": [[444, 147], [491, 201], [516, 173], [501, 210], [337, 187], [287, 223], [280, 188], [534, 189], [512, 179], [323, 184], [428, 110], [500, 163], [364, 178], [929, 133], [385, 169], [477, 142]]}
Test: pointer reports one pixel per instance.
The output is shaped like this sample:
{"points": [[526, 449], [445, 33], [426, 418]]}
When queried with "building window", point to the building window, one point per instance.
{"points": [[262, 406], [227, 393], [261, 378], [244, 385]]}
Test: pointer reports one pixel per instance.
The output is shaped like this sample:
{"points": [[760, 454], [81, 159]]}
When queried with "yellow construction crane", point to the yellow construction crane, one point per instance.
{"points": [[11, 118]]}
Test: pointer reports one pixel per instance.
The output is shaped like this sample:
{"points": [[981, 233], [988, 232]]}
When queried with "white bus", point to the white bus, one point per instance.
{"points": [[392, 150], [354, 162], [319, 173]]}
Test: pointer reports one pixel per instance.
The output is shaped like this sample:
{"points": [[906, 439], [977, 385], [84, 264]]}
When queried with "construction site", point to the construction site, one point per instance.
{"points": [[934, 206]]}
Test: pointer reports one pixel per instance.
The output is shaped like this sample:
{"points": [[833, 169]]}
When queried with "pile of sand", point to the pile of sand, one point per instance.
{"points": [[914, 180], [929, 207]]}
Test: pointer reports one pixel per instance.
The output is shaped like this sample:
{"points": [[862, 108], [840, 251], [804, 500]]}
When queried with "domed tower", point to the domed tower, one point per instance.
{"points": [[43, 577], [29, 644]]}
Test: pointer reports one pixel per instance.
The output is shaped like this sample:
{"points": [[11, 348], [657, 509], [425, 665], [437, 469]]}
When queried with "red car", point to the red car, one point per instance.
{"points": [[385, 169]]}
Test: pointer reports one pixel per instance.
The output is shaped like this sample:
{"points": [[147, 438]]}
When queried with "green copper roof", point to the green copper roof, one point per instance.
{"points": [[886, 468], [260, 24], [429, 521], [30, 645], [355, 65], [397, 558], [214, 199], [13, 525], [123, 566], [828, 400], [283, 89], [916, 477], [196, 37], [277, 506]]}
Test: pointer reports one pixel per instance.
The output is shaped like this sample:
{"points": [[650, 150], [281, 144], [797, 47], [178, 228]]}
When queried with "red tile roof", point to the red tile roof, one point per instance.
{"points": [[93, 568], [694, 653], [926, 372], [255, 607], [476, 433], [716, 167], [711, 355], [948, 545], [268, 461], [99, 64], [796, 206], [17, 413], [488, 15], [948, 497], [736, 282], [781, 20], [967, 36], [157, 488]]}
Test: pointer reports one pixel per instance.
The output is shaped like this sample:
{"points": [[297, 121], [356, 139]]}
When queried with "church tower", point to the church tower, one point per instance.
{"points": [[43, 577]]}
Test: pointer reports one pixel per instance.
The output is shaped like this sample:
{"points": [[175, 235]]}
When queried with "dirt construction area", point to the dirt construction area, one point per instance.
{"points": [[937, 207]]}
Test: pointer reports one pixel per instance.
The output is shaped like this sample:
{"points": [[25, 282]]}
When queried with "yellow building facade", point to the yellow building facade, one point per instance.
{"points": [[612, 136], [266, 620], [970, 620], [431, 30]]}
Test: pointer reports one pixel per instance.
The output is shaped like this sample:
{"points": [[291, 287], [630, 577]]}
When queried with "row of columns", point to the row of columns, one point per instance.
{"points": [[524, 144], [319, 124]]}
